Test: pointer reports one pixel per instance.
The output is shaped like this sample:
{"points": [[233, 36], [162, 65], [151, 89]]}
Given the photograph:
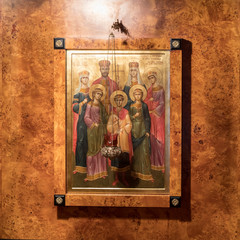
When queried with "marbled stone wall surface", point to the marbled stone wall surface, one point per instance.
{"points": [[210, 204]]}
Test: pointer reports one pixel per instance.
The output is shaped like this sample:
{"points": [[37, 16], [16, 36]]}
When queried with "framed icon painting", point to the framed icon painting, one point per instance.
{"points": [[117, 123]]}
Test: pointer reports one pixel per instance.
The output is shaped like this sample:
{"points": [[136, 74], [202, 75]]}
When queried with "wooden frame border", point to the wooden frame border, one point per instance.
{"points": [[118, 199]]}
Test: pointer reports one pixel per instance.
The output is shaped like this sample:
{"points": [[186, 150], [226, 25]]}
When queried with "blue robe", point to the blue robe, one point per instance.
{"points": [[81, 142]]}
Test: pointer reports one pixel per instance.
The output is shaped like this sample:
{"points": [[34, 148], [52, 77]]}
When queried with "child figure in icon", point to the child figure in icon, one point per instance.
{"points": [[119, 123], [96, 119], [80, 100], [156, 104], [141, 125]]}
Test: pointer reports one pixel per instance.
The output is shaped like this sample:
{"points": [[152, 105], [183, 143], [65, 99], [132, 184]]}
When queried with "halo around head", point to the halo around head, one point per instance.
{"points": [[153, 71], [95, 87], [116, 93], [134, 88]]}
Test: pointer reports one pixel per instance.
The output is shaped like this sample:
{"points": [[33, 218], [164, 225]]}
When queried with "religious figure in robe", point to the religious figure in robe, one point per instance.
{"points": [[109, 85], [80, 100], [133, 79], [119, 123], [96, 119], [141, 125], [156, 104]]}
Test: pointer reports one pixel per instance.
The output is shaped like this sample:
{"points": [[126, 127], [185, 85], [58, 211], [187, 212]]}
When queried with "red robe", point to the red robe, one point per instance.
{"points": [[156, 104]]}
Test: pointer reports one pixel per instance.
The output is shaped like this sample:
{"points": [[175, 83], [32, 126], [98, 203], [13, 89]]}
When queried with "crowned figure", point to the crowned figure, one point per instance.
{"points": [[80, 100], [109, 85]]}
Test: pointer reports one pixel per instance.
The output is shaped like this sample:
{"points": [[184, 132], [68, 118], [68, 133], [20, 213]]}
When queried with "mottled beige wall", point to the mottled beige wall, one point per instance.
{"points": [[210, 125]]}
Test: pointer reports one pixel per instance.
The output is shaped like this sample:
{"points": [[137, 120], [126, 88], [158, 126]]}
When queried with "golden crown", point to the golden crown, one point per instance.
{"points": [[133, 64], [84, 74], [104, 63]]}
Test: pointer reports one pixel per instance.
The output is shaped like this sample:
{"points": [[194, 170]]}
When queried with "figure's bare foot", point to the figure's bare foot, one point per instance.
{"points": [[75, 171], [152, 180], [104, 177], [115, 182], [85, 180]]}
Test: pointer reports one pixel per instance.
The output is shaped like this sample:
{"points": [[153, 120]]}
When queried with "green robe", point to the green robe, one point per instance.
{"points": [[95, 134], [141, 164]]}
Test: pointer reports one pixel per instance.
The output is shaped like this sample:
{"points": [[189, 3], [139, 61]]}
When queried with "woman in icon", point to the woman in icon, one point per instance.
{"points": [[96, 120], [119, 123], [141, 124], [133, 79], [156, 105], [79, 105]]}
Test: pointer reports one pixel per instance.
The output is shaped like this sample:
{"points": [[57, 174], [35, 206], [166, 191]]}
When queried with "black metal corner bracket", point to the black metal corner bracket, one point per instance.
{"points": [[59, 200], [176, 44], [175, 202], [59, 43]]}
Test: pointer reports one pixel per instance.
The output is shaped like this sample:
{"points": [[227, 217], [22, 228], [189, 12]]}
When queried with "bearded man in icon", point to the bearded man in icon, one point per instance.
{"points": [[109, 85]]}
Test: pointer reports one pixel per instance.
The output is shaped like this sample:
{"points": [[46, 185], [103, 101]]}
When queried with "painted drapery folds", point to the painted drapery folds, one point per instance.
{"points": [[121, 100]]}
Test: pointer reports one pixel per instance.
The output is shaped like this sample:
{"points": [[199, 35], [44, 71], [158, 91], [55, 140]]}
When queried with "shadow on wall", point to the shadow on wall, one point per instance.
{"points": [[183, 213]]}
